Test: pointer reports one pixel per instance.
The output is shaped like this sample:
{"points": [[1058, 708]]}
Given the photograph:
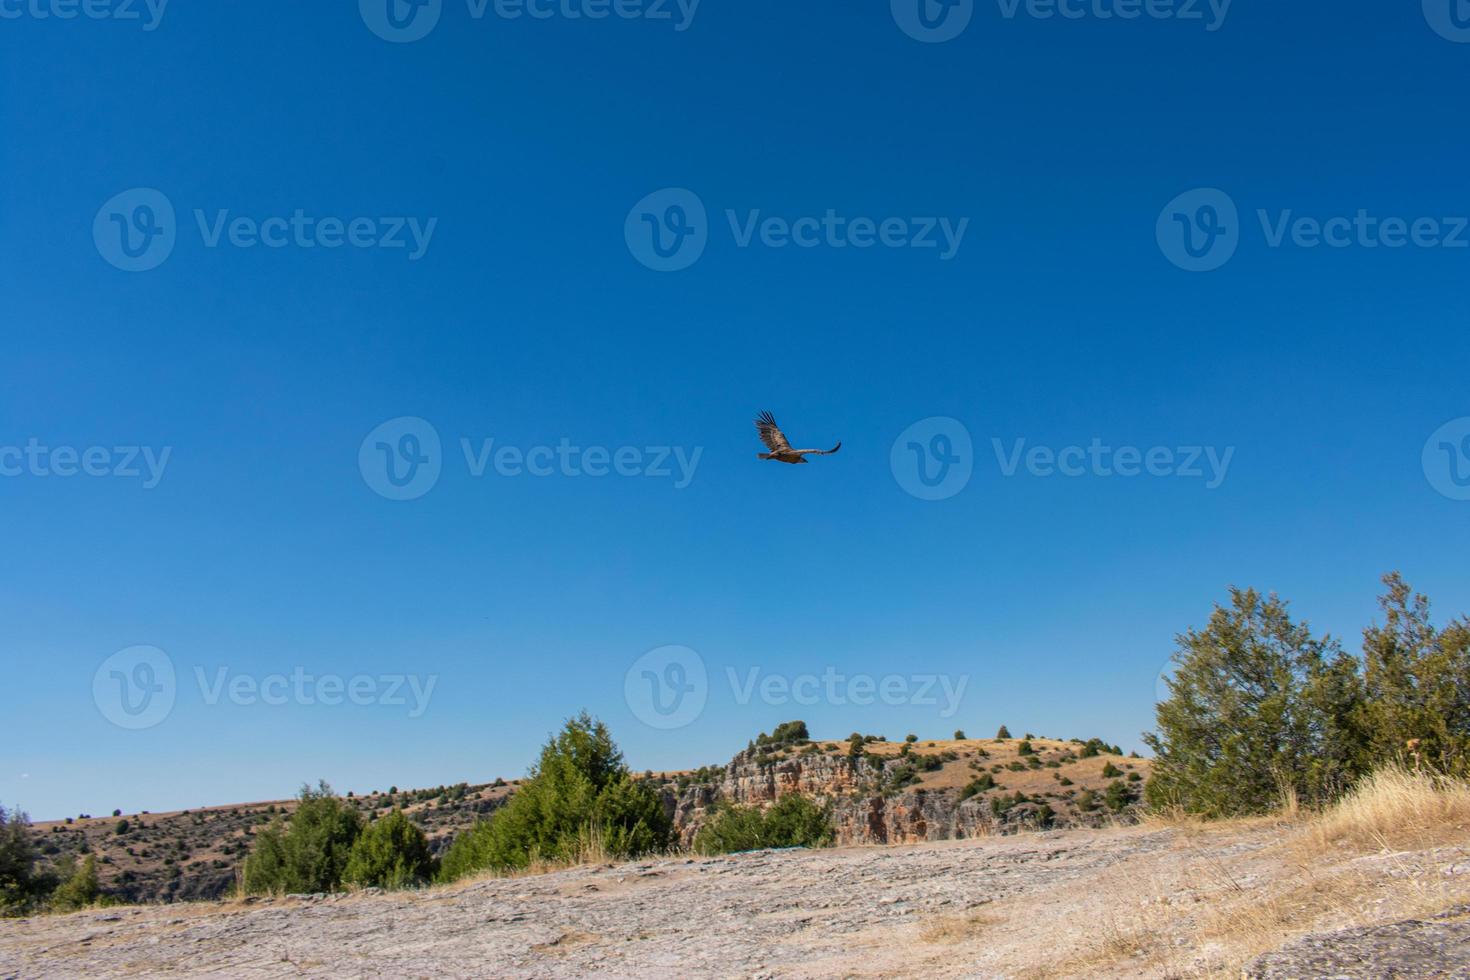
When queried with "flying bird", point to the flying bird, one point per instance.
{"points": [[780, 449]]}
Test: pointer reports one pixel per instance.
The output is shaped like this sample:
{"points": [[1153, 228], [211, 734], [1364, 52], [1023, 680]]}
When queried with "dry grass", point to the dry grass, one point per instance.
{"points": [[959, 928], [1395, 809], [1375, 856]]}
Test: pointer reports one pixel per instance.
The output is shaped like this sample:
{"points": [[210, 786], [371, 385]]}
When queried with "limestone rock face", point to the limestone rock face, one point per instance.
{"points": [[861, 813]]}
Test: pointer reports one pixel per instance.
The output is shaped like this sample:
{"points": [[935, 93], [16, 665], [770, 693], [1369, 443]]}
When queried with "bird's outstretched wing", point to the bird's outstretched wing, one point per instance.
{"points": [[817, 452], [773, 437]]}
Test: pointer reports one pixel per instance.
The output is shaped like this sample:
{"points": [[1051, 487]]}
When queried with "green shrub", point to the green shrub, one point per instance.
{"points": [[1111, 771], [959, 734], [309, 853], [21, 885], [1118, 797], [79, 887], [579, 801], [1257, 703], [792, 821], [977, 786], [1004, 733], [1024, 747], [391, 853]]}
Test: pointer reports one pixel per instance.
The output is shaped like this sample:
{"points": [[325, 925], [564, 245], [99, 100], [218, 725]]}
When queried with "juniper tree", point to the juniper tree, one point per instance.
{"points": [[1253, 710], [1418, 683]]}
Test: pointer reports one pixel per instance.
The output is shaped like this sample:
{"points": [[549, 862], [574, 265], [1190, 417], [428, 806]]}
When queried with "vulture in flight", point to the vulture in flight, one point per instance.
{"points": [[780, 449]]}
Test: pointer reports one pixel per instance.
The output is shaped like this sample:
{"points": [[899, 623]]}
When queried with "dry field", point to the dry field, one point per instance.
{"points": [[1162, 900]]}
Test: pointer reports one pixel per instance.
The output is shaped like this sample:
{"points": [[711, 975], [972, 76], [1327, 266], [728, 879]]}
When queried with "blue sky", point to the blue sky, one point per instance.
{"points": [[529, 319]]}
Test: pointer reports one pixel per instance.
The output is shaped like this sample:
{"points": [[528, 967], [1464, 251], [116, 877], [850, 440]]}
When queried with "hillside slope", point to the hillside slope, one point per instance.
{"points": [[887, 792]]}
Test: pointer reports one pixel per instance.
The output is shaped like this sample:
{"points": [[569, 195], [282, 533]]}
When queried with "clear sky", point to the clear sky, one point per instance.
{"points": [[526, 311]]}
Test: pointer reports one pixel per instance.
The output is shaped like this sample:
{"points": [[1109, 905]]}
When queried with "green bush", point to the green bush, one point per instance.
{"points": [[21, 884], [308, 854], [580, 801], [959, 734], [1024, 748], [977, 786], [792, 821], [79, 887], [1257, 704], [391, 853], [1004, 733]]}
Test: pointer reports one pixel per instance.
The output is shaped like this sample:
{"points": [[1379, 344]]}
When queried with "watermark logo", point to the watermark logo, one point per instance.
{"points": [[331, 690], [135, 230], [148, 12], [1210, 13], [144, 463], [401, 459], [1099, 459], [1446, 459], [838, 689], [571, 460], [933, 459], [667, 688], [401, 21], [1199, 230], [135, 688], [1449, 18], [668, 230], [932, 21]]}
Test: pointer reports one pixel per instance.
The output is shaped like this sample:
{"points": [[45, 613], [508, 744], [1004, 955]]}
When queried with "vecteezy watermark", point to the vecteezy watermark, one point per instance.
{"points": [[405, 21], [1200, 230], [1446, 459], [148, 13], [137, 230], [143, 463], [669, 229], [137, 688], [831, 687], [1098, 459], [932, 21], [1450, 19], [402, 458], [298, 687], [935, 21], [933, 458], [668, 688]]}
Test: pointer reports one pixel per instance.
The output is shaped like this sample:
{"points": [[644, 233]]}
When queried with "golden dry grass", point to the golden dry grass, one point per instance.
{"points": [[1396, 808], [1375, 856]]}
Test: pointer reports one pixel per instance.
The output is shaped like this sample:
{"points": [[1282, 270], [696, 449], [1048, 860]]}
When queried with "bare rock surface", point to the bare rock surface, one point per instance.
{"points": [[829, 912], [1122, 902], [1414, 948]]}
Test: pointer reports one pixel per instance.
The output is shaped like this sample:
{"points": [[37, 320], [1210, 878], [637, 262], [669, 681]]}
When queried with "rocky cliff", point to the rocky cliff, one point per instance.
{"points": [[890, 795]]}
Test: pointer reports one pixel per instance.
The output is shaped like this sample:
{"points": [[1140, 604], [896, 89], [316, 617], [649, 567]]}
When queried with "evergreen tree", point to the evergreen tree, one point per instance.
{"points": [[309, 853], [20, 883], [1418, 684], [391, 853], [579, 798], [1245, 718]]}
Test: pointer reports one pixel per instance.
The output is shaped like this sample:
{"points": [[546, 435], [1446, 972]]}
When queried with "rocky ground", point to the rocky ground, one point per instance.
{"points": [[1125, 902]]}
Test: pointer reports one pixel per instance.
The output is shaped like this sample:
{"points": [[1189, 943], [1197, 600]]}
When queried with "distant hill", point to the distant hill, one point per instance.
{"points": [[879, 792]]}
